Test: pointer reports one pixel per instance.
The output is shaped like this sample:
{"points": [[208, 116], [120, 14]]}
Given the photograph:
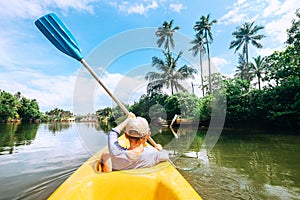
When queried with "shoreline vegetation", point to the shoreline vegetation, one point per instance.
{"points": [[265, 91]]}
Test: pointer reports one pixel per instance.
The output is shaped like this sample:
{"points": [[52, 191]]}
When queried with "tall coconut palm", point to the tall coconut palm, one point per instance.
{"points": [[245, 35], [258, 66], [165, 34], [169, 76], [198, 47], [203, 27]]}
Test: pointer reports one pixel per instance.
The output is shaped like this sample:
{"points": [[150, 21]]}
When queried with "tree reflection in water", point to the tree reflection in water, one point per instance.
{"points": [[16, 134]]}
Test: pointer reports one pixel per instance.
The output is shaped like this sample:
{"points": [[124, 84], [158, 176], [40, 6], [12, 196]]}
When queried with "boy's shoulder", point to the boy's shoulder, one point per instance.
{"points": [[150, 149]]}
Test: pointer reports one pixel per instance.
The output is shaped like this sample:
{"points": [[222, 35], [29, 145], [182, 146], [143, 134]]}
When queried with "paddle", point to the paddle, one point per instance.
{"points": [[60, 36]]}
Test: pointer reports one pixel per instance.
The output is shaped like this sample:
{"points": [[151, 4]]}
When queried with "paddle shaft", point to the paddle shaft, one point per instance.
{"points": [[85, 64], [123, 108]]}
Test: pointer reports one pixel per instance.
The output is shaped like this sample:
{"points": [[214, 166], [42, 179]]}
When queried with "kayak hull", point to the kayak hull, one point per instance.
{"points": [[162, 181]]}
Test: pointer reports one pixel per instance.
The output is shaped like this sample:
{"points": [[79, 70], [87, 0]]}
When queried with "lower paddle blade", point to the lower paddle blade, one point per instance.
{"points": [[59, 35]]}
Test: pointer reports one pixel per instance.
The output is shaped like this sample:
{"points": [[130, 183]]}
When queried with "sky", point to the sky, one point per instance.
{"points": [[117, 39]]}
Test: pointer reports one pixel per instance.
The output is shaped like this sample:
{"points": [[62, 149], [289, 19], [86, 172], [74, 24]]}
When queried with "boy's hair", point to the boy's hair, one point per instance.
{"points": [[136, 139]]}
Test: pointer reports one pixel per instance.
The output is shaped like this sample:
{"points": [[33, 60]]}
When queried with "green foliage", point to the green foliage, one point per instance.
{"points": [[278, 105], [58, 114], [294, 33], [146, 102], [172, 107], [282, 104], [257, 68], [236, 99], [105, 114], [8, 106], [188, 102], [110, 114], [182, 104], [203, 111], [29, 109], [16, 107], [283, 66]]}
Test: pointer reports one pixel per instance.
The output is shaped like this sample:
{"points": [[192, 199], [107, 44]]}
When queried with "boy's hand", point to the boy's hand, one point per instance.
{"points": [[158, 147], [131, 115]]}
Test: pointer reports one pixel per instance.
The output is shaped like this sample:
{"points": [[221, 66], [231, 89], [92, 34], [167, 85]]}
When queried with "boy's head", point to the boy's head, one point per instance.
{"points": [[137, 127]]}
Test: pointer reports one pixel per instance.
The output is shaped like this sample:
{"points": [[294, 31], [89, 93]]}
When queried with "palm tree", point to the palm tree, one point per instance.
{"points": [[258, 66], [198, 47], [169, 75], [242, 70], [203, 27], [245, 35], [165, 34]]}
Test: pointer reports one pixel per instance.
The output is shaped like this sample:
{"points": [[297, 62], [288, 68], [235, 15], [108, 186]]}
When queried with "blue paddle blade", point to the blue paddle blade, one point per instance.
{"points": [[59, 35]]}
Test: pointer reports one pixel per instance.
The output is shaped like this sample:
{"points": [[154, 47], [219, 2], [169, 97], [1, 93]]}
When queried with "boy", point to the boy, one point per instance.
{"points": [[137, 155]]}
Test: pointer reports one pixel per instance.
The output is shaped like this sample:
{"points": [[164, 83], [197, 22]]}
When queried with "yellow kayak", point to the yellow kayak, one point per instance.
{"points": [[162, 181]]}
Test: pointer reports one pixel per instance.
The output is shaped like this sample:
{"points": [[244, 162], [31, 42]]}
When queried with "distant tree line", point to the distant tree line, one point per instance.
{"points": [[57, 114], [16, 107]]}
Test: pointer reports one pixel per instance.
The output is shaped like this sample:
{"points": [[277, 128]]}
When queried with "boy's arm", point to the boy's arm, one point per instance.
{"points": [[113, 144], [122, 125]]}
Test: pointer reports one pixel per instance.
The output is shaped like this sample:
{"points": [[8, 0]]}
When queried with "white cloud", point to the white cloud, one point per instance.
{"points": [[273, 6], [176, 7], [288, 6], [263, 10], [266, 51], [135, 8], [219, 62], [34, 8], [142, 7], [235, 15], [127, 89], [276, 29]]}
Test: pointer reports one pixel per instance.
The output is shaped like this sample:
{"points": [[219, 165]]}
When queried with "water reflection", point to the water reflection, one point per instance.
{"points": [[106, 126], [14, 135], [58, 126]]}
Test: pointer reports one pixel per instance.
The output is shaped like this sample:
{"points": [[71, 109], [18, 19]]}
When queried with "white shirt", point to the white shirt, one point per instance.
{"points": [[123, 159]]}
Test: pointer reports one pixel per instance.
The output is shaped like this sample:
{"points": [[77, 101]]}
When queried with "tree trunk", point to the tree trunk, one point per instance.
{"points": [[209, 69], [201, 71]]}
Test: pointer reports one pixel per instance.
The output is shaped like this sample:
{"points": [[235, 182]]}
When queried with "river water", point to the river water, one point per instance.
{"points": [[244, 164]]}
